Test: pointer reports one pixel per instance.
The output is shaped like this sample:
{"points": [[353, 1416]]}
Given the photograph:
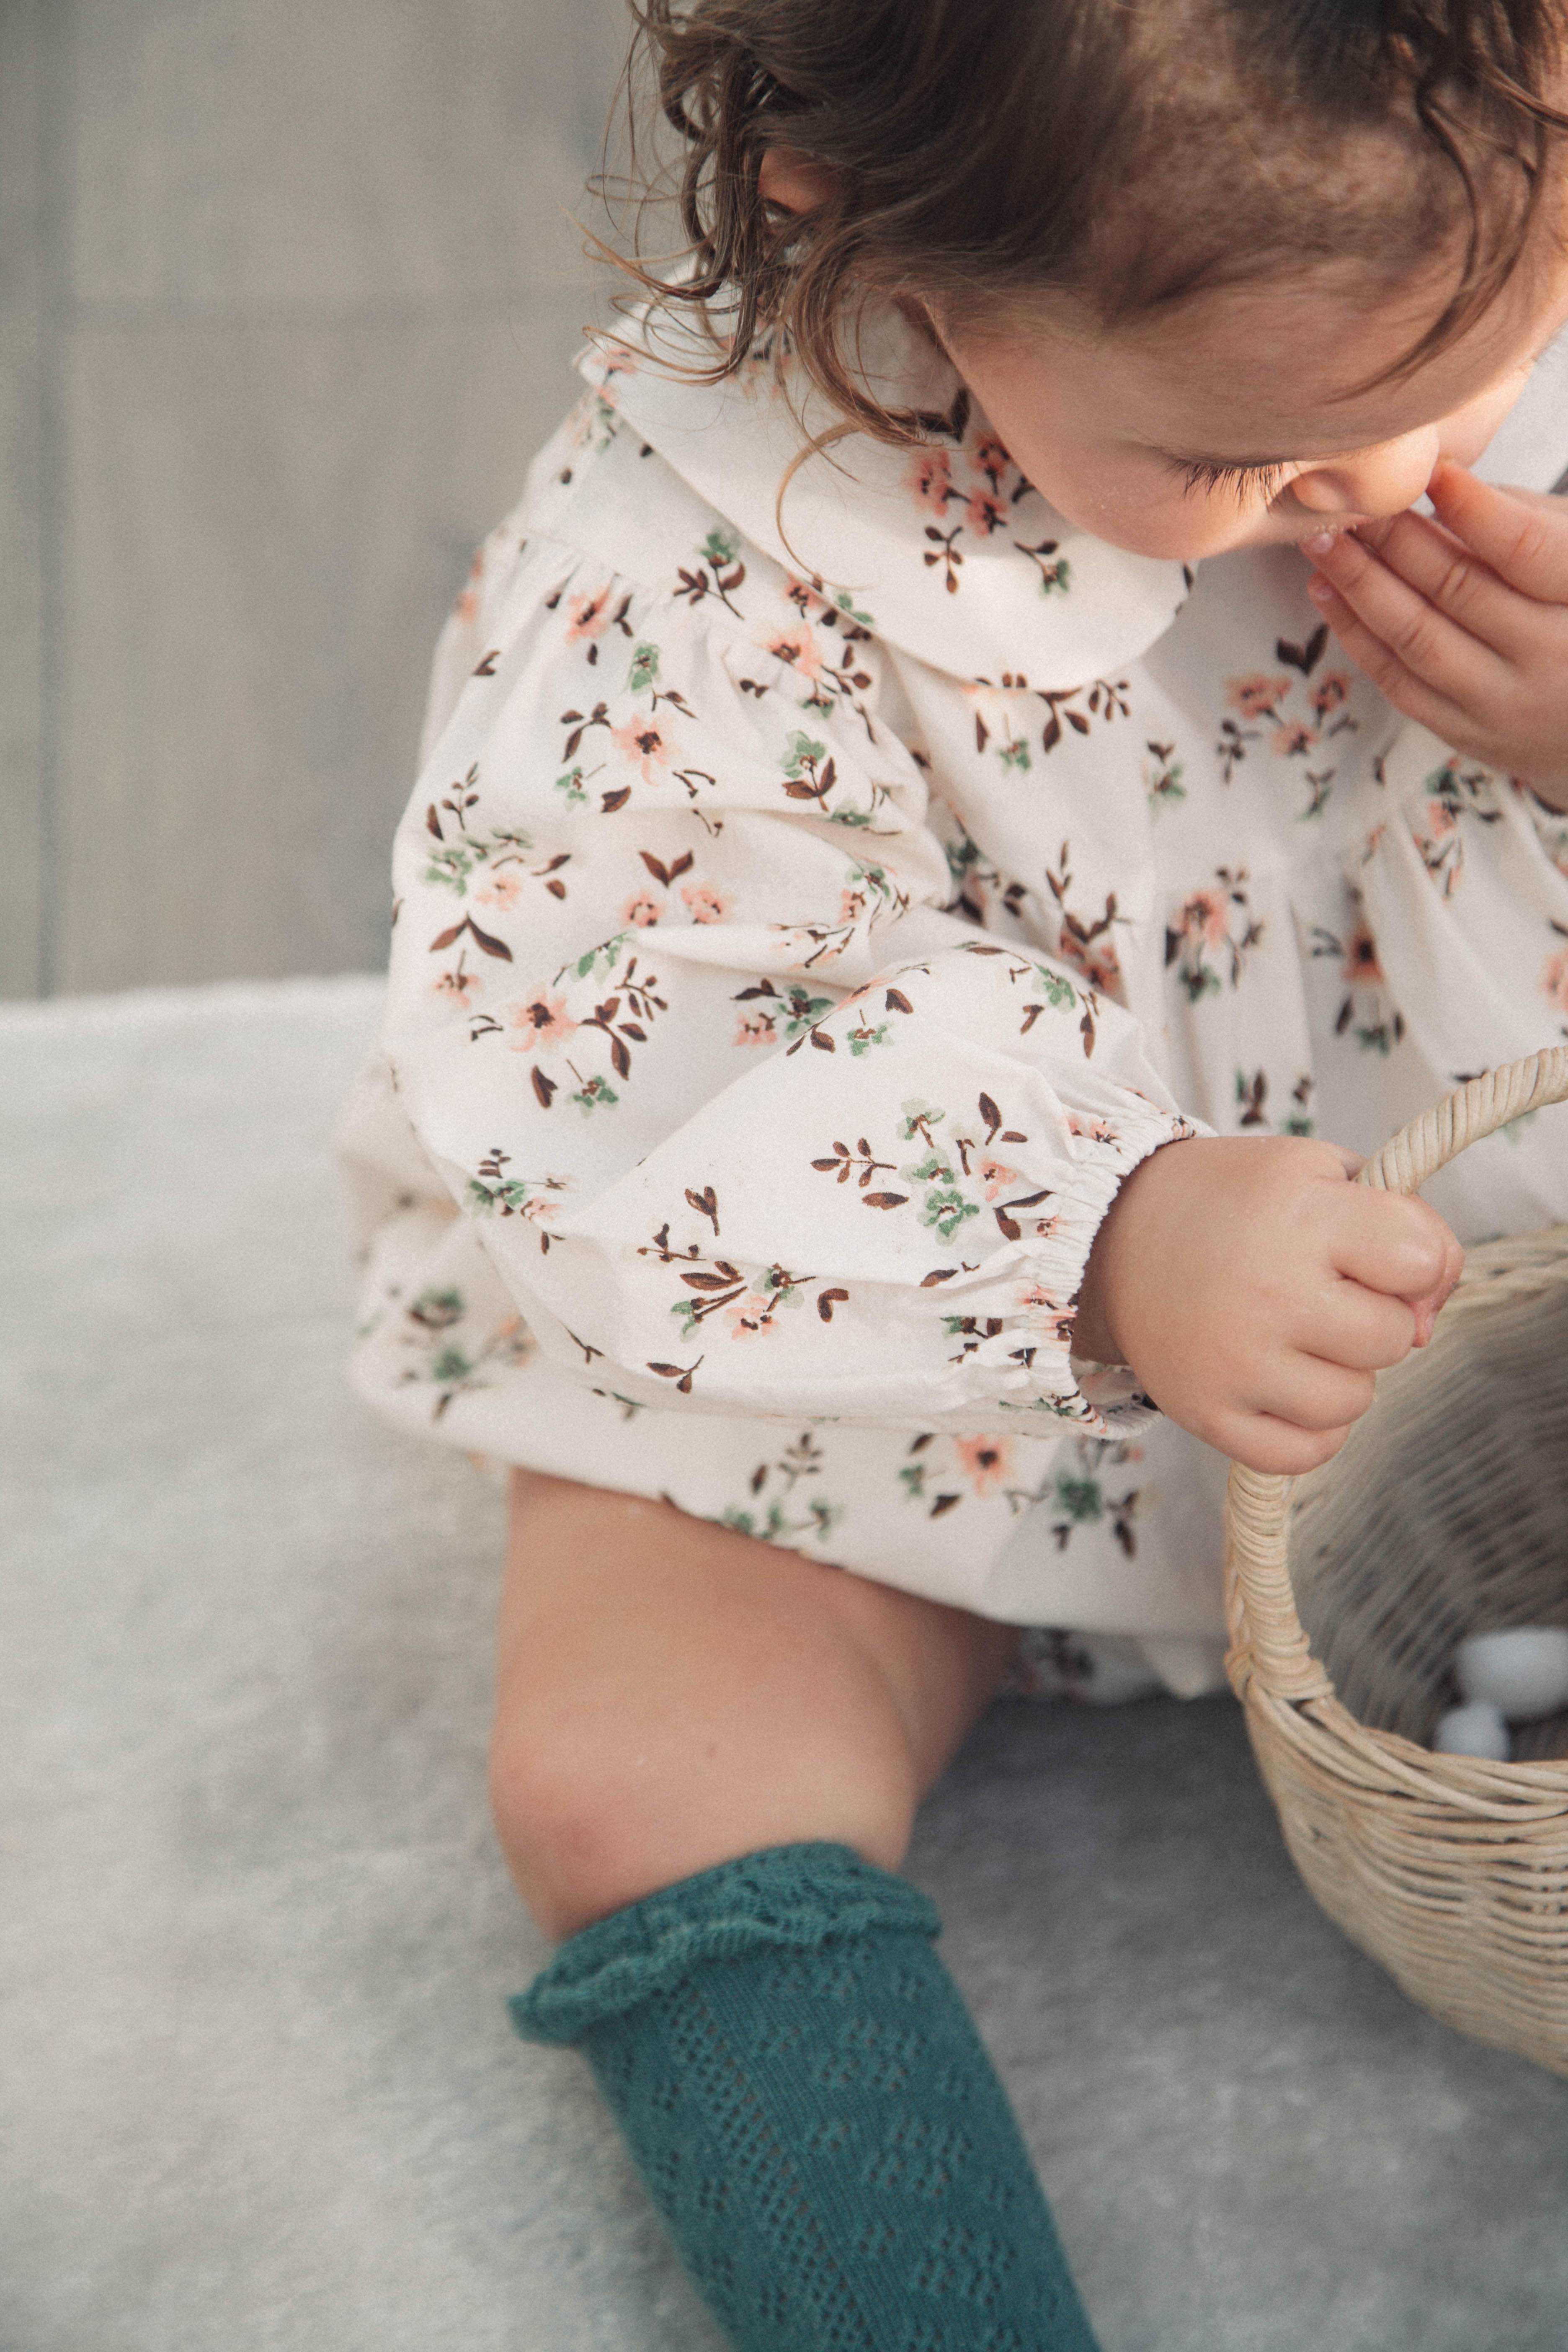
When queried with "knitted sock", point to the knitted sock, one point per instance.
{"points": [[812, 2112]]}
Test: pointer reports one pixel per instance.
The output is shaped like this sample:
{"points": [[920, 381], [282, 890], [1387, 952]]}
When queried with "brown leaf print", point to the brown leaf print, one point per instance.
{"points": [[492, 947], [1303, 657], [706, 1204]]}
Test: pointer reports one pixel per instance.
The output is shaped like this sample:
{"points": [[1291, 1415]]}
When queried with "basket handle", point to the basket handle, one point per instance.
{"points": [[1468, 1116], [1257, 1503]]}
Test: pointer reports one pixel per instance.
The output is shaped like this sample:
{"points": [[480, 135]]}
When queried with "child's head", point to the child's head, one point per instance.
{"points": [[1180, 249]]}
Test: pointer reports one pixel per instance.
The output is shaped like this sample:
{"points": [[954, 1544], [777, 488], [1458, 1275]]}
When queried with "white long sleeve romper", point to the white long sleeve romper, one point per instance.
{"points": [[806, 919]]}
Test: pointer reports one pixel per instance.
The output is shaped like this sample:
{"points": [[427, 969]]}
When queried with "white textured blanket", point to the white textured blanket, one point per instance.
{"points": [[259, 2093]]}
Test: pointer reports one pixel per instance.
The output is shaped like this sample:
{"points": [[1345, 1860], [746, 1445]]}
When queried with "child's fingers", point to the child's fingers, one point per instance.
{"points": [[1423, 639], [1396, 1245], [1279, 1448], [1365, 1331], [1407, 692], [1312, 1394], [1525, 544], [1440, 568]]}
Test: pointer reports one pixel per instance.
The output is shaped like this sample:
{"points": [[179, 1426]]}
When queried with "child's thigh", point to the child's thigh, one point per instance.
{"points": [[672, 1695]]}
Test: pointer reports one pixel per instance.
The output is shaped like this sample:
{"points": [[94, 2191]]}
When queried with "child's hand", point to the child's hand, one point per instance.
{"points": [[1463, 623], [1255, 1290]]}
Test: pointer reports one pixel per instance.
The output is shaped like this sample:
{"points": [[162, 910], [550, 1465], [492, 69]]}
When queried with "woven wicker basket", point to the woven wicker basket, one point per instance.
{"points": [[1347, 1591]]}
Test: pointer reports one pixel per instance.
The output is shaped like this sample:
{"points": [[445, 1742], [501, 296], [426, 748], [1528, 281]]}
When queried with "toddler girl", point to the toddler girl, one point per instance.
{"points": [[962, 798]]}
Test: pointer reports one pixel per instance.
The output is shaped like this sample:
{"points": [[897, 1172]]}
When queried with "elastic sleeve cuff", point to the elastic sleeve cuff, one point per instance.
{"points": [[1027, 1364]]}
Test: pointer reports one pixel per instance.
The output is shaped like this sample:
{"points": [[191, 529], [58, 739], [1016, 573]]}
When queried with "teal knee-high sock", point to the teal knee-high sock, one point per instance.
{"points": [[812, 2112]]}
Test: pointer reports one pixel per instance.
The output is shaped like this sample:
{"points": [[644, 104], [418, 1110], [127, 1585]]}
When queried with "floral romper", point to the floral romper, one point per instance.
{"points": [[811, 909]]}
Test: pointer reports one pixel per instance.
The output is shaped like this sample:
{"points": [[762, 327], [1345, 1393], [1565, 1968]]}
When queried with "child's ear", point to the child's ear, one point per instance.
{"points": [[792, 180]]}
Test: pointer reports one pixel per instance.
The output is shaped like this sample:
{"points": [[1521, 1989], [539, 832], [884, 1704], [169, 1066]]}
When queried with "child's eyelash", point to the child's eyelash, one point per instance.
{"points": [[1208, 474]]}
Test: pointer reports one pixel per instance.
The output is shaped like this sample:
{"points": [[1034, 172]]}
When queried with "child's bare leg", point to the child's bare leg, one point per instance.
{"points": [[673, 1695], [693, 1728]]}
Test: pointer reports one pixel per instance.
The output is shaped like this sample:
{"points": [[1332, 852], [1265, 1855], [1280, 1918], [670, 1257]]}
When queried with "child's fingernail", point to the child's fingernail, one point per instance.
{"points": [[1321, 543], [1319, 590]]}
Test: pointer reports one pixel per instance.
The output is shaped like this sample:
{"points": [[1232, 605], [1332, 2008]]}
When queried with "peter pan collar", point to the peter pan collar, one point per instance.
{"points": [[945, 551]]}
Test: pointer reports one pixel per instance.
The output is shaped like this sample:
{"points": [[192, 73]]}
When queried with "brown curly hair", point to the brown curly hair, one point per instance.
{"points": [[1128, 154]]}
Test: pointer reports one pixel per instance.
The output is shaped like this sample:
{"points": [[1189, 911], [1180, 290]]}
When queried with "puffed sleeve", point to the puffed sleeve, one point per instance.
{"points": [[1464, 883], [746, 1122]]}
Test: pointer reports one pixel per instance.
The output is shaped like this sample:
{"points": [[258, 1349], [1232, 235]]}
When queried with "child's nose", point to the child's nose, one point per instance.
{"points": [[1368, 482]]}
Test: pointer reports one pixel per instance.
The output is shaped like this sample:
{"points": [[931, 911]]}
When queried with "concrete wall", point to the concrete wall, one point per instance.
{"points": [[287, 301]]}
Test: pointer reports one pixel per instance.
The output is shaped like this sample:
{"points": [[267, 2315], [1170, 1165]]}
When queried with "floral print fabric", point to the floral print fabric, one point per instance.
{"points": [[810, 911]]}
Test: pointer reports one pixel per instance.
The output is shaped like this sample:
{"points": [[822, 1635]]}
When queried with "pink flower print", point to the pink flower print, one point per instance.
{"points": [[990, 459], [706, 903], [1095, 960], [463, 986], [996, 1177], [502, 890], [985, 1462], [541, 1018], [750, 1316], [1294, 738], [1093, 1130], [1441, 820], [1331, 692], [755, 1029], [642, 909], [1061, 1318], [590, 617], [1255, 697], [468, 602], [986, 513], [802, 595], [1554, 980], [1361, 957], [798, 646], [930, 478], [640, 742], [1206, 916]]}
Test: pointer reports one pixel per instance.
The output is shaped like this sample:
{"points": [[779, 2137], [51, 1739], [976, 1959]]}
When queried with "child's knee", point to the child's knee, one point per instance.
{"points": [[596, 1807]]}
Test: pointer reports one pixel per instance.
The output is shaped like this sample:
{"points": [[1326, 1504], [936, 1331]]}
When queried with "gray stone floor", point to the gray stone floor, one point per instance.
{"points": [[259, 2095]]}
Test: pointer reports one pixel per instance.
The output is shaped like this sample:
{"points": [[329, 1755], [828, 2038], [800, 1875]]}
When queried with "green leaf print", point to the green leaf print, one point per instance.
{"points": [[451, 868], [846, 603], [862, 1040], [775, 1522], [945, 1209], [644, 670], [1061, 995], [1016, 755], [572, 785], [801, 752], [488, 1200], [606, 424], [605, 955], [450, 1365], [918, 1119], [433, 1310], [805, 1011], [720, 547], [1079, 1499], [593, 1094]]}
